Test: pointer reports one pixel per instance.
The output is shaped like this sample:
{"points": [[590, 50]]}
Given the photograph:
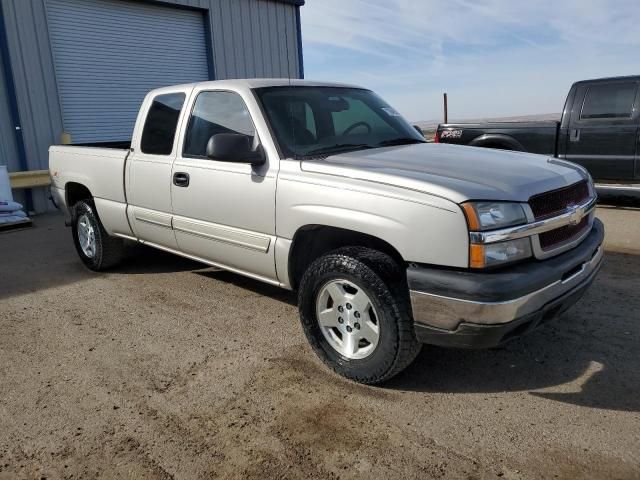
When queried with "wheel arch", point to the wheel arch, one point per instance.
{"points": [[314, 240], [497, 141], [75, 192]]}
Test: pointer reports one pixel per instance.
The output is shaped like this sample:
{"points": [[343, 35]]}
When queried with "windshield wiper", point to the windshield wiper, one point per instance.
{"points": [[347, 147], [342, 147], [400, 141]]}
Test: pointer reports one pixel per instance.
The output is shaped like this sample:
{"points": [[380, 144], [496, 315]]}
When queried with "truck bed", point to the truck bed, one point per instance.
{"points": [[101, 170], [535, 137]]}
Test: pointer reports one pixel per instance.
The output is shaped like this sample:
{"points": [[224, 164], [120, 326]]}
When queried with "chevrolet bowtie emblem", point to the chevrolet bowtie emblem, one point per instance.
{"points": [[575, 214]]}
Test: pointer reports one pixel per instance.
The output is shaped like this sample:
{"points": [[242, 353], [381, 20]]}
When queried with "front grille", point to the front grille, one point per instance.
{"points": [[555, 238], [555, 202]]}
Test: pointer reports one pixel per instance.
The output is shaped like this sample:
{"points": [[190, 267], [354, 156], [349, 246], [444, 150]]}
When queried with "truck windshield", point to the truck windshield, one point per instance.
{"points": [[312, 122]]}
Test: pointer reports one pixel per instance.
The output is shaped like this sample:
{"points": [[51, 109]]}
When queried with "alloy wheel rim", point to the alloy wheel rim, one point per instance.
{"points": [[347, 318], [86, 236]]}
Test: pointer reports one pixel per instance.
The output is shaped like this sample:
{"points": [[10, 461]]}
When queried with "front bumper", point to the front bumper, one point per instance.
{"points": [[484, 309]]}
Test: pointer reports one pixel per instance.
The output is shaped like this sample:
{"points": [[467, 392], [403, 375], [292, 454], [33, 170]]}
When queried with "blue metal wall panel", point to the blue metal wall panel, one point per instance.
{"points": [[268, 47], [34, 80], [8, 148], [108, 54], [253, 38]]}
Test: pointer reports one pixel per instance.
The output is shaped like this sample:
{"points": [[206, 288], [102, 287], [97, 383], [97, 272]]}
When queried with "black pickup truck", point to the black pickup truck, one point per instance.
{"points": [[599, 129]]}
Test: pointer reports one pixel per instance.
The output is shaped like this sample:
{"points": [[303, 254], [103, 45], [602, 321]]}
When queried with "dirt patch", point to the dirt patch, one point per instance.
{"points": [[166, 369]]}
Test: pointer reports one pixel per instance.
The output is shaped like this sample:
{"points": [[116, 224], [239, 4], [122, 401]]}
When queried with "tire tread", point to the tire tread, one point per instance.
{"points": [[390, 287], [112, 249]]}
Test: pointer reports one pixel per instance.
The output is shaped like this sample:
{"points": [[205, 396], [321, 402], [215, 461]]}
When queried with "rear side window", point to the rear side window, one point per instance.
{"points": [[160, 127], [213, 113], [614, 100]]}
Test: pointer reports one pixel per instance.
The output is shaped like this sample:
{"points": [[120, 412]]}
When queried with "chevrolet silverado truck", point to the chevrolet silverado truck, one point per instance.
{"points": [[599, 129], [390, 242]]}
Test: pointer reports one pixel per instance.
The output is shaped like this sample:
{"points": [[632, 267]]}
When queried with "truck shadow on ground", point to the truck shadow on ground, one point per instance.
{"points": [[254, 286], [44, 257], [141, 259], [30, 275], [588, 357], [567, 372]]}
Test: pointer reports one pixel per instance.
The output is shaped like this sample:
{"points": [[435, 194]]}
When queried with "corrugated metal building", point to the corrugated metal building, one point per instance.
{"points": [[77, 70]]}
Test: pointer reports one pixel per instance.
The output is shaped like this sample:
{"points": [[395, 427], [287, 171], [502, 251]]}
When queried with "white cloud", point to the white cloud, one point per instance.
{"points": [[494, 57]]}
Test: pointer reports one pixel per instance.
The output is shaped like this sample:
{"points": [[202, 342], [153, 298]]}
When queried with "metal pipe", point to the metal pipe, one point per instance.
{"points": [[446, 109]]}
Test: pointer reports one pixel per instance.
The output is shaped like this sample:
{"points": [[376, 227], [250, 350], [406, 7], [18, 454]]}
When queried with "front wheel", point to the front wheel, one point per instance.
{"points": [[96, 248], [354, 308]]}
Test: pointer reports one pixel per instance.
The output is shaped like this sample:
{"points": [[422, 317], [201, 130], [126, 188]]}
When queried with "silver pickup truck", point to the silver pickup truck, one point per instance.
{"points": [[325, 189]]}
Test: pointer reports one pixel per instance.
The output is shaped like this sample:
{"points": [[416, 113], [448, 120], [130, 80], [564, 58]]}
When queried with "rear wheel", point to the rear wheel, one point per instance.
{"points": [[355, 312], [96, 248]]}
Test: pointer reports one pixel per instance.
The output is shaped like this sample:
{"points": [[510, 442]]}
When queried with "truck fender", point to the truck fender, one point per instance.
{"points": [[405, 229], [497, 141]]}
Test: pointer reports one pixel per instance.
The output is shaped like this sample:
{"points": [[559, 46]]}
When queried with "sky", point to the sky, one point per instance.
{"points": [[494, 58]]}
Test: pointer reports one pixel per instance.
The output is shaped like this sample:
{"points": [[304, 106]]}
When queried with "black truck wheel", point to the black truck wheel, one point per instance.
{"points": [[96, 248], [355, 311]]}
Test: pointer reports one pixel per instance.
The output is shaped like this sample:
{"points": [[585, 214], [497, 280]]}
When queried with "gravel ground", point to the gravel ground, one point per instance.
{"points": [[166, 369]]}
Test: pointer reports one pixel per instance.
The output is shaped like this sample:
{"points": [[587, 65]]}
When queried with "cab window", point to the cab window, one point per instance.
{"points": [[159, 130], [213, 113], [614, 100]]}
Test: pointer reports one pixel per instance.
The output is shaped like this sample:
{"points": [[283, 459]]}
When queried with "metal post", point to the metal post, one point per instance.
{"points": [[446, 109]]}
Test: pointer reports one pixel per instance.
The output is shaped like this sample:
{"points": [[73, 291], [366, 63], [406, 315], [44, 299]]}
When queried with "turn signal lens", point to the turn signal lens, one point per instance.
{"points": [[494, 254], [472, 217], [476, 256]]}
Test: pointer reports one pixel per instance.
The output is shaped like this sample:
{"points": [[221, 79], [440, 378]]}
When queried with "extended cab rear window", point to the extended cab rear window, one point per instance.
{"points": [[613, 100], [161, 123]]}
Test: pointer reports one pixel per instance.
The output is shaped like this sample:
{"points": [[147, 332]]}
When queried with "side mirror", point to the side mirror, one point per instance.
{"points": [[234, 147], [419, 130]]}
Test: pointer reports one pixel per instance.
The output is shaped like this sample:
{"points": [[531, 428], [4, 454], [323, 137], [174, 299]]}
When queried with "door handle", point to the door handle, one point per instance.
{"points": [[181, 179], [574, 135]]}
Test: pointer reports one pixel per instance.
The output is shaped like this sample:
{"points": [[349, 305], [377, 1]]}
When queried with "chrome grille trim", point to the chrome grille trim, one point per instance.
{"points": [[541, 254], [535, 227], [556, 238]]}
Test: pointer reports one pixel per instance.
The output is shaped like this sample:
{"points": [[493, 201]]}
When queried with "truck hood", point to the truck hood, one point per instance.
{"points": [[458, 173]]}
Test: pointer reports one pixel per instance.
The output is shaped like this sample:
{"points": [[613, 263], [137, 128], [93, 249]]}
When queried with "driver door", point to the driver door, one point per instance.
{"points": [[604, 128], [224, 212]]}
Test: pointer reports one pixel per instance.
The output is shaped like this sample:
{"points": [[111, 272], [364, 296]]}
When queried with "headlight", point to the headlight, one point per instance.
{"points": [[493, 254], [491, 215], [482, 216]]}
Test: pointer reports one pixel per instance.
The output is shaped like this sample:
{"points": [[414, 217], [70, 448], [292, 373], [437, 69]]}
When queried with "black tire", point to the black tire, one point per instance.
{"points": [[109, 250], [384, 282]]}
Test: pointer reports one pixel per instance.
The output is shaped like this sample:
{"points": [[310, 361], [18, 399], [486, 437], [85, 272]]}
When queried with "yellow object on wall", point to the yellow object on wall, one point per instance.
{"points": [[32, 179]]}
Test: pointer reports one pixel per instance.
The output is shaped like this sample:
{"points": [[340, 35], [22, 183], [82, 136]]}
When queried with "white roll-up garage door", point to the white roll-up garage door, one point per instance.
{"points": [[109, 53]]}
